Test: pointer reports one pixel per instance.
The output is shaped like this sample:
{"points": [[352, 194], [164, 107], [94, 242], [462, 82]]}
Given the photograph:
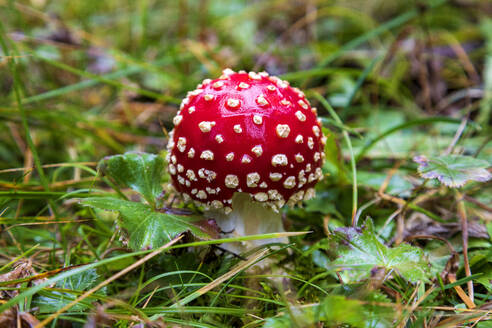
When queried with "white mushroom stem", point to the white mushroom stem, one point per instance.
{"points": [[248, 217]]}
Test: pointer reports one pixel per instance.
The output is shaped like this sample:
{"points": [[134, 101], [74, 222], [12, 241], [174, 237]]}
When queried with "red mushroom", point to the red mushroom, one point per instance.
{"points": [[244, 145]]}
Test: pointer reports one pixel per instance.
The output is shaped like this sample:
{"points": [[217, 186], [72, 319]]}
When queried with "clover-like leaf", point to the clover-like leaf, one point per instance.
{"points": [[139, 171], [364, 252], [146, 227], [453, 170]]}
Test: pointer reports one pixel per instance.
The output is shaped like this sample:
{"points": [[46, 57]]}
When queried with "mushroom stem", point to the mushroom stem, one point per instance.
{"points": [[248, 217]]}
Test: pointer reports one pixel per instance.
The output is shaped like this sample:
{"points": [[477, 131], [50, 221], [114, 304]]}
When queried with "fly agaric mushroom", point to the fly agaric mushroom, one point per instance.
{"points": [[243, 145]]}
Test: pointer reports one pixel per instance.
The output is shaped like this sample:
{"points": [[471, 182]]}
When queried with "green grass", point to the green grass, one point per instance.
{"points": [[82, 80]]}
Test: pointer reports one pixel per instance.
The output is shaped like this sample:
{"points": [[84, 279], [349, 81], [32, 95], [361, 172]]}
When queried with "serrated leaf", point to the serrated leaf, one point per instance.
{"points": [[52, 301], [81, 281], [146, 228], [139, 171], [453, 170], [365, 252]]}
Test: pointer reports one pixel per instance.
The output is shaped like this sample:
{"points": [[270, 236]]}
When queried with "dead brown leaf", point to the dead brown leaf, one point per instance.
{"points": [[21, 270], [13, 318]]}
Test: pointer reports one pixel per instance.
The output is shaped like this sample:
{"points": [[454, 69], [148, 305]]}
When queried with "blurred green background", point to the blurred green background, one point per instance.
{"points": [[104, 77], [80, 80]]}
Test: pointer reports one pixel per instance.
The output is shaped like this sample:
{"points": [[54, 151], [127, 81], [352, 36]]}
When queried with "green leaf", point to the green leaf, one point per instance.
{"points": [[139, 171], [453, 170], [365, 252], [338, 309], [398, 184], [484, 324], [278, 322], [49, 302], [146, 228], [486, 279], [334, 160], [333, 310], [323, 202], [489, 230]]}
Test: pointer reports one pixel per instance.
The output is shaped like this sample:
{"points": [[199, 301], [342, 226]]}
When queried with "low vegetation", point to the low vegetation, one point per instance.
{"points": [[398, 235]]}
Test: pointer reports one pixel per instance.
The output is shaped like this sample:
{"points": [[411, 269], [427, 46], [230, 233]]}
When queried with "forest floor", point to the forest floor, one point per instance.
{"points": [[398, 235]]}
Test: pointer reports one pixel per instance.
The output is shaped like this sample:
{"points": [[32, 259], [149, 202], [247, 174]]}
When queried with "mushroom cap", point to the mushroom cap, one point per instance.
{"points": [[245, 132]]}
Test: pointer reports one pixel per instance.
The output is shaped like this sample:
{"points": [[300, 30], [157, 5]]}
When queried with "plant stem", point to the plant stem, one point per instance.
{"points": [[333, 114], [248, 217], [464, 234]]}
